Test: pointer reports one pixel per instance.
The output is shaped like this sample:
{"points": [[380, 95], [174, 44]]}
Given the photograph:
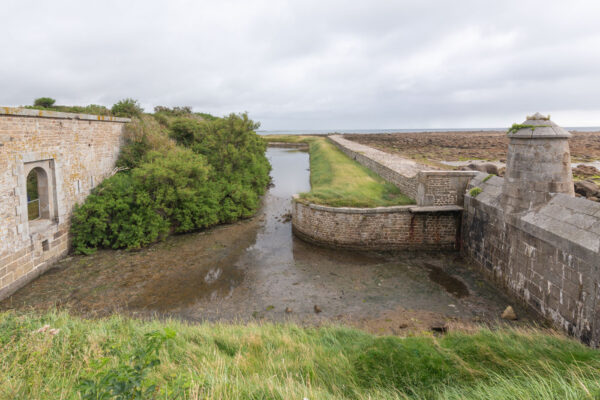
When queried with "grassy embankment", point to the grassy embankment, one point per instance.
{"points": [[338, 181], [228, 361]]}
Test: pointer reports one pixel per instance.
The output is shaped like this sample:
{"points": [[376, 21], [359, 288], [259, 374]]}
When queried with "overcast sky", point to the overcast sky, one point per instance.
{"points": [[312, 64]]}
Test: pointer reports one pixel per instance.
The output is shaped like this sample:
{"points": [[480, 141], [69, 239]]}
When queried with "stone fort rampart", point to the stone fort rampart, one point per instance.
{"points": [[548, 257], [65, 155], [526, 232], [433, 223]]}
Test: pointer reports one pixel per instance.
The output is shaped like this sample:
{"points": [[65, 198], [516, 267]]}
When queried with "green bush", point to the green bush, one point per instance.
{"points": [[116, 215], [175, 111], [44, 102], [216, 175], [185, 131], [127, 108], [142, 135], [179, 185]]}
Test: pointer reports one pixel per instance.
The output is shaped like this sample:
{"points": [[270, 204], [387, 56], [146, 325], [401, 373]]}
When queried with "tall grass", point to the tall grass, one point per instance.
{"points": [[228, 361], [338, 181]]}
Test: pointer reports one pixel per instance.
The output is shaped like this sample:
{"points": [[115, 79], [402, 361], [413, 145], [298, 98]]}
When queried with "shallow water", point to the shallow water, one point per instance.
{"points": [[256, 269]]}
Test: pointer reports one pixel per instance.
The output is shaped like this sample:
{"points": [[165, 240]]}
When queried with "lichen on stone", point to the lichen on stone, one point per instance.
{"points": [[474, 192], [487, 178]]}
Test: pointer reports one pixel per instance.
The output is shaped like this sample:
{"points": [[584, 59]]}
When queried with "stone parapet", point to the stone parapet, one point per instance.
{"points": [[28, 112], [380, 228]]}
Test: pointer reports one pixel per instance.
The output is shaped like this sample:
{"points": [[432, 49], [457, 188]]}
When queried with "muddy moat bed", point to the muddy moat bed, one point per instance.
{"points": [[257, 270]]}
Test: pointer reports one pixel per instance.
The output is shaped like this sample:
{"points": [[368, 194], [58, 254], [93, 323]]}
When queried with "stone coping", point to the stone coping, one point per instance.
{"points": [[379, 210], [434, 209], [26, 112], [448, 173]]}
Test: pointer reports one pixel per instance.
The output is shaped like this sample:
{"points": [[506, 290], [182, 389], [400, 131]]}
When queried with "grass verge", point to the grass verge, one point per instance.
{"points": [[228, 361], [338, 181], [289, 138]]}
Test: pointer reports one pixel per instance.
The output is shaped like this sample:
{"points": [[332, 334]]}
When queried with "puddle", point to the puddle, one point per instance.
{"points": [[256, 269], [451, 284]]}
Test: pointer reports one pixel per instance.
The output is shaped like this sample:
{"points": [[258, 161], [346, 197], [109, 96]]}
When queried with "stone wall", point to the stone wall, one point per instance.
{"points": [[436, 188], [427, 187], [548, 257], [73, 153], [381, 228]]}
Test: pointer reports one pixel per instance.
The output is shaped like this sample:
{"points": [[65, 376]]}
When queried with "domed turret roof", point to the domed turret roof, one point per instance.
{"points": [[537, 126]]}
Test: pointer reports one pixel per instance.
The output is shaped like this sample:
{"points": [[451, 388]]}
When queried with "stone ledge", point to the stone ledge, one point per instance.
{"points": [[448, 173], [435, 209], [353, 210], [380, 210], [26, 112]]}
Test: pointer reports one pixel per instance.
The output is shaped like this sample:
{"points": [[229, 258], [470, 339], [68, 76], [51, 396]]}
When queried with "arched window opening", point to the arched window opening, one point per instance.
{"points": [[33, 197], [37, 195]]}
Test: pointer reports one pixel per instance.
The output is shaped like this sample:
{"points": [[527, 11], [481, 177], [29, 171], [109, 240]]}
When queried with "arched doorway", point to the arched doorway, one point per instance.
{"points": [[38, 201]]}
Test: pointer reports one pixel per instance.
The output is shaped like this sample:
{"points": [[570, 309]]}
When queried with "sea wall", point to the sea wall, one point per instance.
{"points": [[70, 154], [381, 228], [548, 257], [418, 181]]}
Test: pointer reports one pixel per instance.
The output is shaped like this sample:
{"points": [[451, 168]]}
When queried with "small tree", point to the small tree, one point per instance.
{"points": [[44, 102], [127, 108]]}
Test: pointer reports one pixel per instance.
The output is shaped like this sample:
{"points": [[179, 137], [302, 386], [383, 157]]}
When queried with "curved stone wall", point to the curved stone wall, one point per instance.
{"points": [[381, 228]]}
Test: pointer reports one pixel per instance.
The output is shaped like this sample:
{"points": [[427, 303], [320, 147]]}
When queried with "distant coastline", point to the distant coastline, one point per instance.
{"points": [[266, 132]]}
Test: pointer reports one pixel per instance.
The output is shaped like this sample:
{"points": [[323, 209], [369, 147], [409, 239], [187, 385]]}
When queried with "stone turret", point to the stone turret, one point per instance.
{"points": [[538, 164]]}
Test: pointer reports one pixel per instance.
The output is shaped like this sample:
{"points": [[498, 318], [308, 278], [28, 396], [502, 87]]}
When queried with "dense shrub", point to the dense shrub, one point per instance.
{"points": [[116, 215], [215, 174], [127, 108], [180, 187], [237, 154], [175, 111], [186, 131], [142, 135], [44, 102]]}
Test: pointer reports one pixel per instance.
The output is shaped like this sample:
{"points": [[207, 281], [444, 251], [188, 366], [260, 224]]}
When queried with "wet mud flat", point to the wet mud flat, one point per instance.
{"points": [[256, 270], [458, 146]]}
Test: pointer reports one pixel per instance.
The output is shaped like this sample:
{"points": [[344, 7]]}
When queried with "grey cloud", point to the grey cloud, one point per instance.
{"points": [[312, 64]]}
